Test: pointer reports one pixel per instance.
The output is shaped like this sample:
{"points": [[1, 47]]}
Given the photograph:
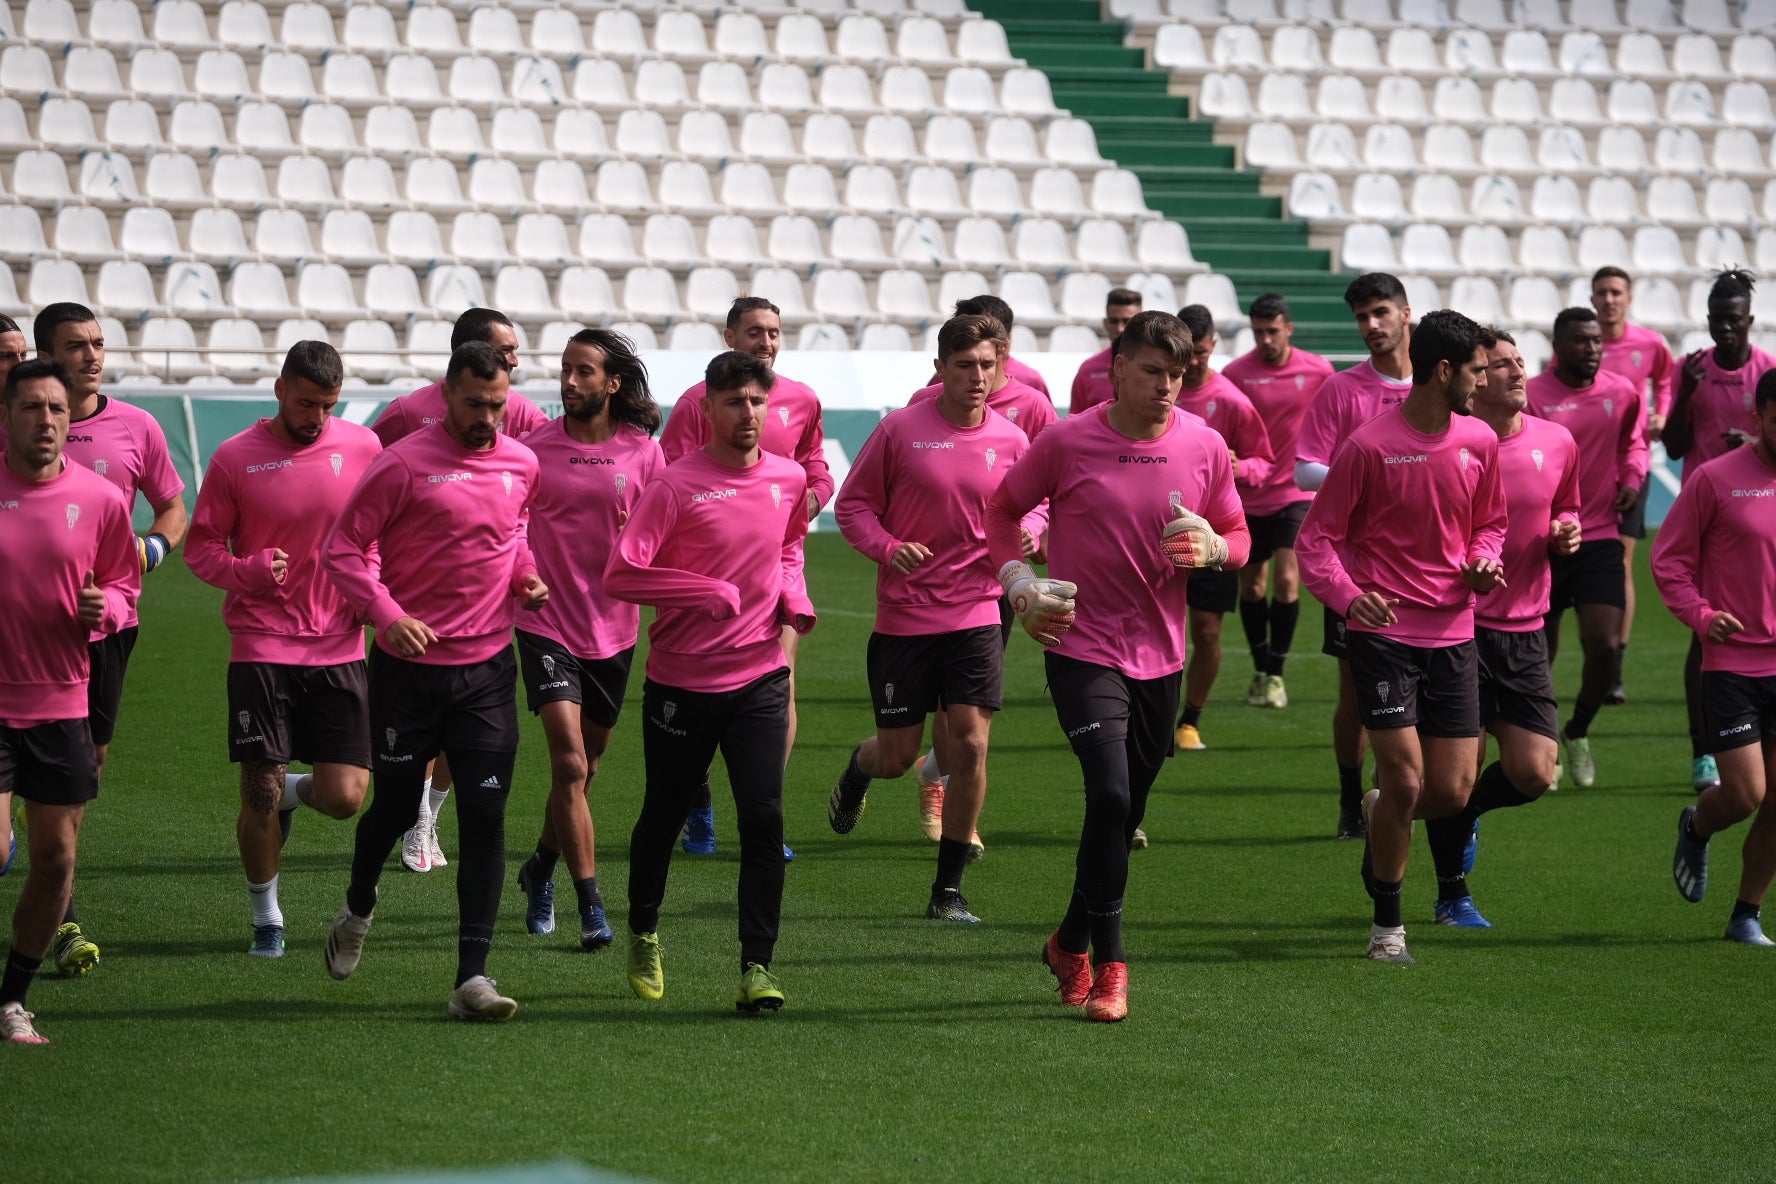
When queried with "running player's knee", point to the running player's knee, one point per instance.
{"points": [[967, 752], [569, 771], [1741, 797], [1439, 798], [262, 786], [339, 794]]}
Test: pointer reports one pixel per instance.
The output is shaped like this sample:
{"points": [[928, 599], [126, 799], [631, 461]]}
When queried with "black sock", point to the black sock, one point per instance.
{"points": [[70, 917], [1074, 934], [1579, 726], [852, 772], [952, 857], [1191, 716], [1387, 902], [587, 892], [1741, 908], [20, 970], [1283, 616], [1350, 787], [544, 862], [1690, 832], [1494, 791], [1448, 839], [471, 954], [1255, 619], [1106, 933]]}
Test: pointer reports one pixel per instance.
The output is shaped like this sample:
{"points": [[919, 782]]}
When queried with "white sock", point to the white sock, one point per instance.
{"points": [[928, 769], [265, 902], [435, 801], [425, 812], [296, 787], [1387, 930]]}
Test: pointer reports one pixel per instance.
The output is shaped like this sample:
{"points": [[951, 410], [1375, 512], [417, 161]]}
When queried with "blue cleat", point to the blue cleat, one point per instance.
{"points": [[268, 941], [595, 931], [1689, 867], [1747, 930], [539, 899], [1460, 913], [1472, 851], [699, 832], [788, 855]]}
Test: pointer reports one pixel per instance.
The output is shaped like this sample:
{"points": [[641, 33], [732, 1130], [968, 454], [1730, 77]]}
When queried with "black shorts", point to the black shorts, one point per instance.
{"points": [[1516, 686], [417, 711], [1275, 532], [1337, 642], [1212, 591], [1634, 521], [554, 675], [1591, 575], [109, 658], [52, 764], [1740, 709], [912, 676], [1097, 705], [1436, 690], [313, 714]]}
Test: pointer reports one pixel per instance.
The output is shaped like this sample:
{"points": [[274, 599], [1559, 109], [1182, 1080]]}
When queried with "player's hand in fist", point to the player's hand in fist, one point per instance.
{"points": [[908, 556], [1189, 541], [1563, 536], [533, 592], [1044, 606], [1723, 626], [408, 637]]}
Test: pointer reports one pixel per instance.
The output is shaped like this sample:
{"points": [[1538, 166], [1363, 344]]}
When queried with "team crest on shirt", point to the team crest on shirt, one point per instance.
{"points": [[992, 458], [1300, 381], [1635, 358], [101, 467], [776, 494], [1011, 414], [1535, 454], [337, 461], [548, 666], [783, 414], [620, 481], [73, 515], [1177, 498], [1609, 406], [1210, 410], [1381, 689], [506, 480], [1464, 458], [1750, 398], [245, 720]]}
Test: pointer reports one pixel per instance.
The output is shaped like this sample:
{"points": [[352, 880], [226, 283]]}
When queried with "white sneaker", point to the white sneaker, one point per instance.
{"points": [[345, 942], [478, 1001], [414, 856], [434, 853], [1388, 945]]}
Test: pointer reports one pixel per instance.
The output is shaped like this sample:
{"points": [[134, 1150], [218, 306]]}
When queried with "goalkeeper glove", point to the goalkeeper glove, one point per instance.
{"points": [[152, 550], [1044, 606], [1189, 541]]}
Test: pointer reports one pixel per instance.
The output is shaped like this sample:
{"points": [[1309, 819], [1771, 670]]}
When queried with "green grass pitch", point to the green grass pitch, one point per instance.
{"points": [[1602, 1031]]}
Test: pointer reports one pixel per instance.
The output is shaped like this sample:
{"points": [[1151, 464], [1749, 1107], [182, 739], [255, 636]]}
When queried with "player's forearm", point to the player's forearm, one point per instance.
{"points": [[119, 577], [209, 559], [1005, 540], [662, 587], [820, 479], [347, 563], [1238, 537], [1310, 475], [171, 521], [1678, 435], [860, 525]]}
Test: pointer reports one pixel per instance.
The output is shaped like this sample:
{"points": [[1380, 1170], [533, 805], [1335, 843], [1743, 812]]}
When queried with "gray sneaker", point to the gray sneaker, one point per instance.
{"points": [[478, 1001], [1389, 947], [345, 942]]}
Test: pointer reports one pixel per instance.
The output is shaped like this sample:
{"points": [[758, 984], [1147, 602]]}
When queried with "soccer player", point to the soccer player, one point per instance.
{"points": [[1641, 356], [442, 676], [1281, 381], [714, 545], [1715, 563], [1408, 525], [1712, 413], [68, 568], [420, 850], [989, 305], [12, 352], [123, 444], [755, 327], [1139, 498], [915, 504], [1091, 385], [1603, 411], [1213, 594], [576, 650], [1347, 401], [298, 689], [1539, 469]]}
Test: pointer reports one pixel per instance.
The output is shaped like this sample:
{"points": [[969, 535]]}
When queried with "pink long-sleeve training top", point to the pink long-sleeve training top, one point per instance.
{"points": [[1641, 356], [1282, 395], [1028, 409], [448, 523], [1091, 385], [1716, 552], [261, 495], [1345, 402], [584, 493], [792, 429], [425, 407], [1723, 400], [52, 535], [1110, 498], [710, 546], [1539, 468], [1222, 406], [921, 479], [1399, 514], [1608, 420]]}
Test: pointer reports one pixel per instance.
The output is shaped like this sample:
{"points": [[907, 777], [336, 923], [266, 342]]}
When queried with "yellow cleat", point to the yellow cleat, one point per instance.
{"points": [[647, 978], [1189, 738], [74, 954]]}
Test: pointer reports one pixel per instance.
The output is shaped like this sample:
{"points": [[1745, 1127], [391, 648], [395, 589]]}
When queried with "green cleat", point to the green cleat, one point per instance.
{"points": [[1258, 691], [647, 978], [1275, 693], [1578, 762], [74, 954], [758, 990]]}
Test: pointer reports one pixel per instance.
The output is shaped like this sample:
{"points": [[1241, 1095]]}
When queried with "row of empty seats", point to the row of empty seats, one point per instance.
{"points": [[1548, 250], [435, 31], [1560, 149], [1610, 18], [1400, 98], [1534, 301], [134, 127], [220, 236], [1520, 53], [284, 77]]}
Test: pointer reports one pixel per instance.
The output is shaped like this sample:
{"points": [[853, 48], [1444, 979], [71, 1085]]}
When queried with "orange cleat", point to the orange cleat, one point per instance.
{"points": [[1073, 971], [1108, 1001]]}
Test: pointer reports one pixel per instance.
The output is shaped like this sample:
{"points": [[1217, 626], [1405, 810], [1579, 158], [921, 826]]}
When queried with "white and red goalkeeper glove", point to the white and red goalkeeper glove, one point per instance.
{"points": [[1189, 541], [1044, 606]]}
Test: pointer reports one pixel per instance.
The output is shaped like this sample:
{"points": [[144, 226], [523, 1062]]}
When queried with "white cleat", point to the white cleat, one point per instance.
{"points": [[434, 853], [478, 1001], [414, 856], [1388, 945], [345, 942]]}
